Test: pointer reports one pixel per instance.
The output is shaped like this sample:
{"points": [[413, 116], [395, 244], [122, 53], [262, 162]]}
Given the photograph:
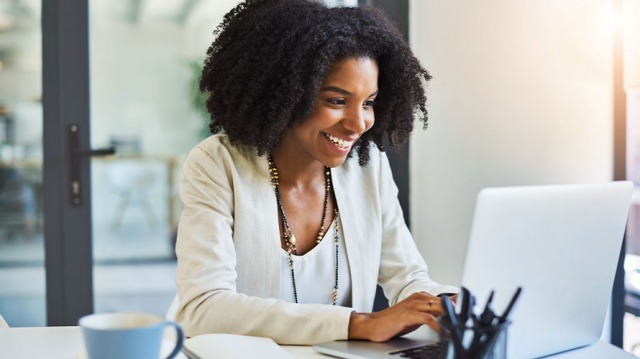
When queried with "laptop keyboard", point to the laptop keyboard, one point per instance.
{"points": [[429, 351]]}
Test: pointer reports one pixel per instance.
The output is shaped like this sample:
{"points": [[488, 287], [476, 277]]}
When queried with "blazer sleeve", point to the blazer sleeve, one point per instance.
{"points": [[206, 274], [403, 271]]}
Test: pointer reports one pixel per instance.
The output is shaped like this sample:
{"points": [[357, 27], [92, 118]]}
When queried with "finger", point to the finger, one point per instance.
{"points": [[423, 302], [432, 306], [424, 294], [432, 322], [421, 319]]}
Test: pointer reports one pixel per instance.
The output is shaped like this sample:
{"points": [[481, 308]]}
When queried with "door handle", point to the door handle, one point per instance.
{"points": [[76, 154]]}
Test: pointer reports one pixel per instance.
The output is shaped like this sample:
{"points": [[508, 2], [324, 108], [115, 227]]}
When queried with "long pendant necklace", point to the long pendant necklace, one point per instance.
{"points": [[290, 239]]}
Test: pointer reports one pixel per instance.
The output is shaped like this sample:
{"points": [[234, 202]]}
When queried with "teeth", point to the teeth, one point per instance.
{"points": [[338, 141]]}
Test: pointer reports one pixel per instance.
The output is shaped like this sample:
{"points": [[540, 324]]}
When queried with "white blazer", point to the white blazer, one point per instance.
{"points": [[228, 247]]}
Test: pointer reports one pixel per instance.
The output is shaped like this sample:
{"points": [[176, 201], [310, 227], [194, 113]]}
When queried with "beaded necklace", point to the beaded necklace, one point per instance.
{"points": [[290, 239]]}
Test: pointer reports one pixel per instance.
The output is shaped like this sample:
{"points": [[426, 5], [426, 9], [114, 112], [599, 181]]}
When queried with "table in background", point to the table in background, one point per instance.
{"points": [[172, 164]]}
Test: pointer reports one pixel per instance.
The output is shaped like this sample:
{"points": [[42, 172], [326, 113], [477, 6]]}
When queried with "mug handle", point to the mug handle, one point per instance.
{"points": [[179, 338]]}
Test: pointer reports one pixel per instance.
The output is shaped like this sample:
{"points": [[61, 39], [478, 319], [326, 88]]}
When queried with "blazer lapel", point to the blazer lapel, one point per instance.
{"points": [[349, 204], [267, 220]]}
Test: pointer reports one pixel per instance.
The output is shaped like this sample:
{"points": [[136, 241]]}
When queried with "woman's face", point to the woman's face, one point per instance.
{"points": [[343, 112]]}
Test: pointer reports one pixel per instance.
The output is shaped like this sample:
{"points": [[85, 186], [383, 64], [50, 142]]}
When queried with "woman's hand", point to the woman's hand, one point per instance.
{"points": [[404, 317]]}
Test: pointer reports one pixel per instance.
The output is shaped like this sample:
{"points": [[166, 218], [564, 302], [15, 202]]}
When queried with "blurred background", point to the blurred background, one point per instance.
{"points": [[523, 93]]}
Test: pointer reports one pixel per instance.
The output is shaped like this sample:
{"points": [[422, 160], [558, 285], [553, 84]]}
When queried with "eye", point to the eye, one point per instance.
{"points": [[369, 103], [337, 101]]}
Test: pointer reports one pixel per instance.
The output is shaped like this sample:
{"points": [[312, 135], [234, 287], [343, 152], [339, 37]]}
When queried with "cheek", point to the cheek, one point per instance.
{"points": [[370, 121], [326, 117]]}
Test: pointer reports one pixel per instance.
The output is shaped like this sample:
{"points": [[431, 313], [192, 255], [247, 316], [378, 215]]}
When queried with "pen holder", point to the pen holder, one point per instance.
{"points": [[474, 342]]}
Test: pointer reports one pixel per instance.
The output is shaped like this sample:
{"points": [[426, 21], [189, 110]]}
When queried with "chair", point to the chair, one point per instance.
{"points": [[132, 180]]}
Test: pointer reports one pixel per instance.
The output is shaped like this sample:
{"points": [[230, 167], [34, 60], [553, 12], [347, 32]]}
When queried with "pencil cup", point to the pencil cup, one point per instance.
{"points": [[474, 342], [127, 335]]}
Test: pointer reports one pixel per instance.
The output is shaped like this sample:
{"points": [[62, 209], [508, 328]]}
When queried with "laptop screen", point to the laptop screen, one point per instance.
{"points": [[561, 244]]}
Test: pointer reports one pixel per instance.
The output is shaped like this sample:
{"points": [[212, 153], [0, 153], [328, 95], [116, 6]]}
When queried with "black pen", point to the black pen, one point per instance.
{"points": [[454, 337], [465, 306], [487, 316], [481, 323], [498, 327], [450, 312], [489, 341], [503, 318]]}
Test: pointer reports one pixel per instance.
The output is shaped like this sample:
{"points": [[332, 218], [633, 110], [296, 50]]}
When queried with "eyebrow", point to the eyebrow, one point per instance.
{"points": [[342, 91]]}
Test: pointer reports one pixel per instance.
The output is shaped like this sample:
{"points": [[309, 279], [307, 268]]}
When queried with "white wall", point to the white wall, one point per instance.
{"points": [[521, 94]]}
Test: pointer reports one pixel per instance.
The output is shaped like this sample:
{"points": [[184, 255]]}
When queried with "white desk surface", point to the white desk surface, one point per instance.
{"points": [[66, 343]]}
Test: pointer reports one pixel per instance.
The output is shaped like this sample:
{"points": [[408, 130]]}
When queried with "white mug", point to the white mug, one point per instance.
{"points": [[127, 335]]}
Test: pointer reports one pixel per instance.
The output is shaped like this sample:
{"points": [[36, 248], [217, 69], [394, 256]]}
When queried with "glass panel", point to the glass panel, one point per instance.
{"points": [[631, 35], [145, 63], [22, 297], [632, 259]]}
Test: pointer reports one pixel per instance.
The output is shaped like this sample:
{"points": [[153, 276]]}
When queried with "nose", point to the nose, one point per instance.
{"points": [[357, 119]]}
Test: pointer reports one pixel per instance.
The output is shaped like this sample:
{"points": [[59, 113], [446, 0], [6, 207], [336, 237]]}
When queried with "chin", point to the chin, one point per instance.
{"points": [[334, 161]]}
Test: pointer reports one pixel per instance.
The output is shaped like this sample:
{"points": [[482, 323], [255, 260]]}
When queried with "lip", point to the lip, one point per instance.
{"points": [[334, 148], [350, 140]]}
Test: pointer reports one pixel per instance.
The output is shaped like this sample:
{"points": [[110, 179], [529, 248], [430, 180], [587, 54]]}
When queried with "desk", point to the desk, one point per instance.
{"points": [[66, 343]]}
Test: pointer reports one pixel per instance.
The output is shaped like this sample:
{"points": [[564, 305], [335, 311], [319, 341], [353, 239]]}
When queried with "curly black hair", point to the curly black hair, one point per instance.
{"points": [[269, 58]]}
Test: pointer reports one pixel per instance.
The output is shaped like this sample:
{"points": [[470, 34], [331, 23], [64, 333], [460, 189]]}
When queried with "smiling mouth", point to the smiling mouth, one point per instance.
{"points": [[338, 141]]}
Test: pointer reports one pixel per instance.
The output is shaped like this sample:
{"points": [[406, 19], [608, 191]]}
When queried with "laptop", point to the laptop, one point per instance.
{"points": [[560, 243]]}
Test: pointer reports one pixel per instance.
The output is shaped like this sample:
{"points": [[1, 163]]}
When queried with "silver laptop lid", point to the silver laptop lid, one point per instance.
{"points": [[561, 244]]}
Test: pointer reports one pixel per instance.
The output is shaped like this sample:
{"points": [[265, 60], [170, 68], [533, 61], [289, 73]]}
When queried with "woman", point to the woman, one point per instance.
{"points": [[291, 216]]}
